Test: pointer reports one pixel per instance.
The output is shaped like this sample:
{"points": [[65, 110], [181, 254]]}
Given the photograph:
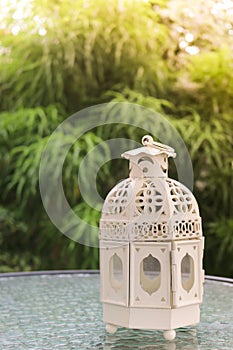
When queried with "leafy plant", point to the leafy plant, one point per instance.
{"points": [[219, 247], [74, 61]]}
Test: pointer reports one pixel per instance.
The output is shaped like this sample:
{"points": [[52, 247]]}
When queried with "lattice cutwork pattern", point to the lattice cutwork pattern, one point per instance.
{"points": [[182, 199], [148, 209], [118, 198], [150, 231], [149, 199], [187, 228], [113, 230]]}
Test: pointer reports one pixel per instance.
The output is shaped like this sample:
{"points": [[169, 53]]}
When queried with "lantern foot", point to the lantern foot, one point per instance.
{"points": [[169, 334], [111, 328]]}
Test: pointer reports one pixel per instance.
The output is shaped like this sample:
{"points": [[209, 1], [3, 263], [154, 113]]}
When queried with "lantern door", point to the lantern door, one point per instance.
{"points": [[187, 273], [114, 267], [150, 274]]}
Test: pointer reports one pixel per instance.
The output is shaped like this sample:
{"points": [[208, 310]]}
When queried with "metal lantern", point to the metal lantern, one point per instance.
{"points": [[151, 247]]}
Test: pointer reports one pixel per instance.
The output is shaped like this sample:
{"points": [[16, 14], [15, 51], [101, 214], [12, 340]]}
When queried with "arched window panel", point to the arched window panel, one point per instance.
{"points": [[114, 269], [187, 272], [116, 272], [150, 274]]}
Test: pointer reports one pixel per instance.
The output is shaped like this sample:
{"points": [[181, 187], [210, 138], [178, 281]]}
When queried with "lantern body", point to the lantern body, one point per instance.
{"points": [[151, 247]]}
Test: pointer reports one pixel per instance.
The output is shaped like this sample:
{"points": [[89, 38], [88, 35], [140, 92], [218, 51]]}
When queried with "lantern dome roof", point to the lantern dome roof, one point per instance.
{"points": [[149, 205], [150, 209]]}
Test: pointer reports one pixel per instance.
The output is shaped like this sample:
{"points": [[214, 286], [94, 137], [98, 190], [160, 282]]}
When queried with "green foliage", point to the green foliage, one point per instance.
{"points": [[26, 131], [10, 223], [219, 247], [87, 49], [11, 226], [212, 160], [170, 56], [24, 136], [211, 77], [20, 126]]}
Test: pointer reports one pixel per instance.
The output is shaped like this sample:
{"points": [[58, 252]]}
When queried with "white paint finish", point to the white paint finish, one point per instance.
{"points": [[116, 314], [169, 334], [150, 232], [111, 328]]}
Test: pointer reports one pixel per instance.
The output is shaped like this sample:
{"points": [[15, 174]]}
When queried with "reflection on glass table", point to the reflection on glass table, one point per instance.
{"points": [[64, 312]]}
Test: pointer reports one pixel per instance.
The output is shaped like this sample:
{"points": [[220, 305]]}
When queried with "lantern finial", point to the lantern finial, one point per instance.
{"points": [[148, 140]]}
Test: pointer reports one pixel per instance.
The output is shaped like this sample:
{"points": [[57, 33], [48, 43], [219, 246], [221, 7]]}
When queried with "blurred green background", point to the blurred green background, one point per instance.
{"points": [[59, 56]]}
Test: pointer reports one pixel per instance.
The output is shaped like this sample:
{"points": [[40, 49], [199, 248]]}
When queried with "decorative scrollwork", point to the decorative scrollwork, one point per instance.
{"points": [[149, 200], [118, 198], [181, 198], [113, 230]]}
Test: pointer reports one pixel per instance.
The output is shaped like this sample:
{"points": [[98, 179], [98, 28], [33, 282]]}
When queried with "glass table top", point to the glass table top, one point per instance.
{"points": [[64, 312]]}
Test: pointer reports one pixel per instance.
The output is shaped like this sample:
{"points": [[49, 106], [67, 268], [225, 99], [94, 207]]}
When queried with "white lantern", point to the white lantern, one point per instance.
{"points": [[151, 247]]}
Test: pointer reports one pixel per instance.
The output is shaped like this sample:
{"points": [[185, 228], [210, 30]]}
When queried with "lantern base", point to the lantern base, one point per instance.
{"points": [[151, 318]]}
